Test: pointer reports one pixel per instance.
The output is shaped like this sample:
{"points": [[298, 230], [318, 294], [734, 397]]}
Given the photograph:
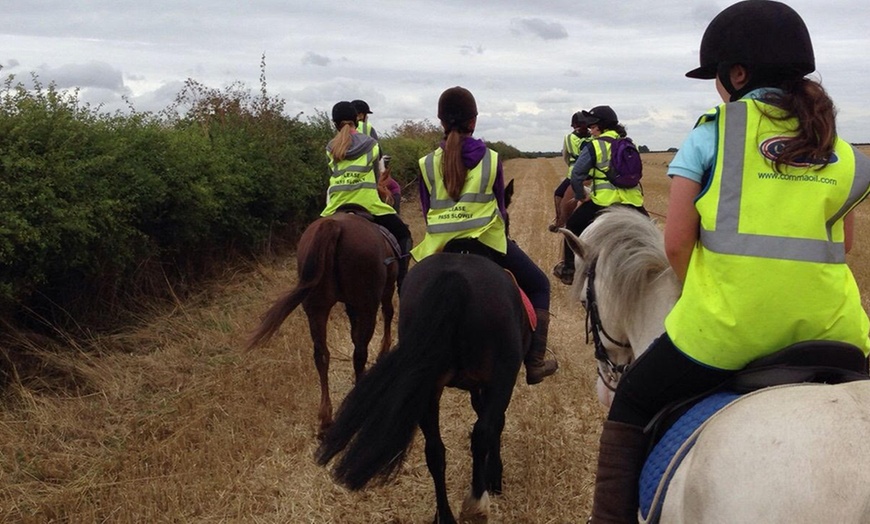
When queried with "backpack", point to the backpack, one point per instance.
{"points": [[626, 168]]}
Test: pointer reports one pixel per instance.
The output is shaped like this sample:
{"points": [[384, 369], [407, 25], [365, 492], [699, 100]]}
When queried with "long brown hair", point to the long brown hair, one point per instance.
{"points": [[343, 139], [457, 111], [452, 167], [806, 100]]}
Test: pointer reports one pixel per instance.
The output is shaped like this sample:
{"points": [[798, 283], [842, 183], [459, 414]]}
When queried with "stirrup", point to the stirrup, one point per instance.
{"points": [[563, 273]]}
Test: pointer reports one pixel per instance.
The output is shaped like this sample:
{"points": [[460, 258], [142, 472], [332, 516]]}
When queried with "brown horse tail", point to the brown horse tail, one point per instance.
{"points": [[314, 265]]}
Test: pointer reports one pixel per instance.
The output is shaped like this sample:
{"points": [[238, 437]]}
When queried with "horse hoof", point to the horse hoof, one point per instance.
{"points": [[474, 509]]}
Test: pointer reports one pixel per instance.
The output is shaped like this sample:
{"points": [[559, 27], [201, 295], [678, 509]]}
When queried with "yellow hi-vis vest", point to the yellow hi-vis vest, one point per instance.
{"points": [[572, 146], [769, 269], [364, 127], [352, 181], [475, 215], [603, 192]]}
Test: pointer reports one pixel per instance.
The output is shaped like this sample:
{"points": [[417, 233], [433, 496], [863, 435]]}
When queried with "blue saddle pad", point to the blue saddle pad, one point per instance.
{"points": [[674, 437]]}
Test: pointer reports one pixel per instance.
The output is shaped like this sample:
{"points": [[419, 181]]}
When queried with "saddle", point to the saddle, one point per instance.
{"points": [[814, 361], [818, 361], [356, 209], [675, 428]]}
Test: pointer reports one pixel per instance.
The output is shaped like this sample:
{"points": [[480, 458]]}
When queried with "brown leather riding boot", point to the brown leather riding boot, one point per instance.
{"points": [[536, 367], [621, 454]]}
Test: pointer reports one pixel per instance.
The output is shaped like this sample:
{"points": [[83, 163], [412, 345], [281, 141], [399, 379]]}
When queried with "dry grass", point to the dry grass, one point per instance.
{"points": [[173, 422]]}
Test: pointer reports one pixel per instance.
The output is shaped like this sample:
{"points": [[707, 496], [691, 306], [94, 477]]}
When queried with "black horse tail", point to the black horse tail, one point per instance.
{"points": [[317, 262], [376, 422]]}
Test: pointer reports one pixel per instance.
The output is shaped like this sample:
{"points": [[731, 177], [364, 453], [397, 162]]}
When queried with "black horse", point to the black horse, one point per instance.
{"points": [[462, 324]]}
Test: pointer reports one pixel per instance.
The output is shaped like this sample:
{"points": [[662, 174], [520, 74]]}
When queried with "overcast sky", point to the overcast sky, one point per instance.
{"points": [[529, 63]]}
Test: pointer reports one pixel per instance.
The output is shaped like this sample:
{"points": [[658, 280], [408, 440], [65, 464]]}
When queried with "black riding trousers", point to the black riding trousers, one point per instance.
{"points": [[661, 376]]}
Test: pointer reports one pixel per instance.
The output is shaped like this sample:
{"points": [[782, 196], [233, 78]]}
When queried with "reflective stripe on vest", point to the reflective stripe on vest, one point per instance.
{"points": [[361, 164], [482, 194], [364, 128], [474, 215], [769, 267], [352, 181], [726, 238], [603, 192], [572, 147]]}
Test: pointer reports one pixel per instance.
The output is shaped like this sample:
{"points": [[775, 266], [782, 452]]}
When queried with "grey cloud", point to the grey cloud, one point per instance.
{"points": [[92, 74], [158, 99], [555, 96], [105, 100], [471, 49], [526, 88], [538, 27], [312, 58]]}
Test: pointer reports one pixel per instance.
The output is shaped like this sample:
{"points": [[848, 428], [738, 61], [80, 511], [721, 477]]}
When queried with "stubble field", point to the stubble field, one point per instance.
{"points": [[173, 422]]}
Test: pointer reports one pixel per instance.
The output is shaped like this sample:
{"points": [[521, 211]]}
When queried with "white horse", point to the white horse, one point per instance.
{"points": [[795, 454]]}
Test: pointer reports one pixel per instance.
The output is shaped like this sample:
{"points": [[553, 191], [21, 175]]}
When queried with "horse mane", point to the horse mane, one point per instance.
{"points": [[630, 245]]}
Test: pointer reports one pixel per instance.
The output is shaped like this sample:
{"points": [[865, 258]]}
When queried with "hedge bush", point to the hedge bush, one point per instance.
{"points": [[94, 206], [98, 211]]}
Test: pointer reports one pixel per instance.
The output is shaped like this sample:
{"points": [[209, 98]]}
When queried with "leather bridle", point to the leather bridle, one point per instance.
{"points": [[609, 371]]}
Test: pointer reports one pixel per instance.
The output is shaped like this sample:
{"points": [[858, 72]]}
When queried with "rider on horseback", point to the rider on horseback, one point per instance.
{"points": [[570, 151], [354, 167], [462, 195], [759, 245], [362, 119], [590, 167]]}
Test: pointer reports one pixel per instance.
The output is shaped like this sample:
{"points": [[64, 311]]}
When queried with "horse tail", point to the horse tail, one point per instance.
{"points": [[376, 422], [317, 262]]}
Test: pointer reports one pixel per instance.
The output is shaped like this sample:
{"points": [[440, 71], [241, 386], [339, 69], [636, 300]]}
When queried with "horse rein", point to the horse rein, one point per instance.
{"points": [[608, 371]]}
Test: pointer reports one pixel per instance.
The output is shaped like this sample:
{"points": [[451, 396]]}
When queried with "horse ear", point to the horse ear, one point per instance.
{"points": [[574, 242], [508, 193]]}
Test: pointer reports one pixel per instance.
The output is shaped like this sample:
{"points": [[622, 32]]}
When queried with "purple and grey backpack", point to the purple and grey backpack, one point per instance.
{"points": [[626, 168]]}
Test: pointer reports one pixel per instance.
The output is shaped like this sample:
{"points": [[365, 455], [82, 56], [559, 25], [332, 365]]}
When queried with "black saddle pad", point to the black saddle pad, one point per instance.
{"points": [[819, 361]]}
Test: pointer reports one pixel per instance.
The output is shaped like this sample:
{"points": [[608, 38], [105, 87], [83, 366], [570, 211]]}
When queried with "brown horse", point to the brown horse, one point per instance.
{"points": [[340, 258], [566, 206]]}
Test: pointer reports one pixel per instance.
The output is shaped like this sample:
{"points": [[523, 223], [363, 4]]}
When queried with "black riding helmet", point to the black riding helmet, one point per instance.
{"points": [[602, 115], [762, 35], [456, 106], [578, 120], [343, 112], [361, 106]]}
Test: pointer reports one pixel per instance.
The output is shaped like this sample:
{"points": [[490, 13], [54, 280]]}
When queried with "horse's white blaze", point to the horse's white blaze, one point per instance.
{"points": [[474, 507]]}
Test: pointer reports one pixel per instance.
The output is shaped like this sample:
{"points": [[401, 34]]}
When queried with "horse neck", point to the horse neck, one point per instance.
{"points": [[647, 321]]}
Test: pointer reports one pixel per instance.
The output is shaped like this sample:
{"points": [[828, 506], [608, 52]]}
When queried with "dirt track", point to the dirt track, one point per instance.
{"points": [[551, 435], [175, 423]]}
